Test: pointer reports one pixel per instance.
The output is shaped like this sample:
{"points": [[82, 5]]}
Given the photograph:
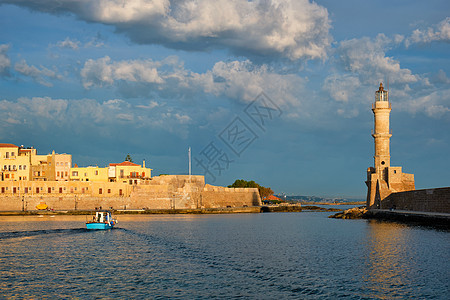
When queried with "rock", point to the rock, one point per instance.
{"points": [[352, 213]]}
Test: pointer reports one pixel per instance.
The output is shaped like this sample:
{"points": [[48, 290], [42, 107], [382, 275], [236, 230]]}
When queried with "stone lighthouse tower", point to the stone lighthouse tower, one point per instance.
{"points": [[381, 133], [382, 179]]}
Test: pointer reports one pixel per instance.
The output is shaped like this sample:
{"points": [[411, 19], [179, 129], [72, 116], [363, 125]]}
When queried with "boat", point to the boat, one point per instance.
{"points": [[42, 206], [101, 220]]}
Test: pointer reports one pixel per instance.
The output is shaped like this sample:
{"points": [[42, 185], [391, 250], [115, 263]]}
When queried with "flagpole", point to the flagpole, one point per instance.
{"points": [[189, 154]]}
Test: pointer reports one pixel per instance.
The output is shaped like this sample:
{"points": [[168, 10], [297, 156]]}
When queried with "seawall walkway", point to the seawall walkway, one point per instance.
{"points": [[431, 218]]}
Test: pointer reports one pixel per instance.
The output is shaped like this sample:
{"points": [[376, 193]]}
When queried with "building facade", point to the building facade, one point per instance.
{"points": [[24, 164]]}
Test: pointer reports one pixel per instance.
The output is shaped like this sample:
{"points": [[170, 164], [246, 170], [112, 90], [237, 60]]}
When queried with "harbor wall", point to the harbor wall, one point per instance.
{"points": [[428, 200], [163, 192]]}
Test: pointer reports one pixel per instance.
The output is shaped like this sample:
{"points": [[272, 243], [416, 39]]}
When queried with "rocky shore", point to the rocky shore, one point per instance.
{"points": [[352, 213]]}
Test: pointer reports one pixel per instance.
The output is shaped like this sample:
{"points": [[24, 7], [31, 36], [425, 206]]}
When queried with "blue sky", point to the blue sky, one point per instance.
{"points": [[278, 92]]}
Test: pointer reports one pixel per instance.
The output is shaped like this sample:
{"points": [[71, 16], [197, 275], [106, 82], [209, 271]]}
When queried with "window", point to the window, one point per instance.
{"points": [[60, 190], [24, 177], [74, 173], [66, 174], [96, 172], [85, 174], [109, 191], [6, 175], [24, 167], [100, 191], [49, 190], [7, 155], [20, 167], [120, 192], [37, 190], [57, 174], [12, 154], [25, 190]]}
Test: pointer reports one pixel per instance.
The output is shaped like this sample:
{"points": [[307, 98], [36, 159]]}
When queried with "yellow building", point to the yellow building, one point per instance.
{"points": [[14, 163], [24, 164], [128, 172], [91, 173]]}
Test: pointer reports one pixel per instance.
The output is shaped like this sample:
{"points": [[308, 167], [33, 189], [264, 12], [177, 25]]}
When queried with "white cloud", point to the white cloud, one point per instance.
{"points": [[435, 105], [341, 87], [294, 29], [367, 59], [68, 43], [442, 33], [39, 75], [5, 63], [239, 80], [87, 115], [74, 44], [103, 71]]}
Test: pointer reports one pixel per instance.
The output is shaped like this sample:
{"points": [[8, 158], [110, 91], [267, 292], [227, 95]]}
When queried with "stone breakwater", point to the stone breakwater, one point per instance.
{"points": [[440, 220], [168, 192]]}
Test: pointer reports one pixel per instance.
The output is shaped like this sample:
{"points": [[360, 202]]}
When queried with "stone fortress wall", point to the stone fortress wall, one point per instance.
{"points": [[162, 192], [428, 200]]}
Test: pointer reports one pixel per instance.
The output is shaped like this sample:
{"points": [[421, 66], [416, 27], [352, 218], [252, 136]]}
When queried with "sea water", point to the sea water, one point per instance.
{"points": [[301, 255]]}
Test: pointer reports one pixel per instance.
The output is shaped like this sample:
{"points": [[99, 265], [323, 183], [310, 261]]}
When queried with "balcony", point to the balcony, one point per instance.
{"points": [[373, 132]]}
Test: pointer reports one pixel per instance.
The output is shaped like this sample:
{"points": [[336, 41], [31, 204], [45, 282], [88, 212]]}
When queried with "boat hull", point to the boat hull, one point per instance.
{"points": [[99, 226]]}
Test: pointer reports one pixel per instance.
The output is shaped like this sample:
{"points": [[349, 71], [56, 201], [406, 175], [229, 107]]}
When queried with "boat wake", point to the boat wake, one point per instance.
{"points": [[32, 233]]}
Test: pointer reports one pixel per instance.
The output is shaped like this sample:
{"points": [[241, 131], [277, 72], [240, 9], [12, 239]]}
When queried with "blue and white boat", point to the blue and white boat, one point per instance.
{"points": [[102, 220]]}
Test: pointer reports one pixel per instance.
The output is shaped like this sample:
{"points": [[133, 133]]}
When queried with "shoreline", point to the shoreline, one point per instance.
{"points": [[224, 210]]}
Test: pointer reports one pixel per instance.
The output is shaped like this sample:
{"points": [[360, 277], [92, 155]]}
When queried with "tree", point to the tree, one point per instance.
{"points": [[128, 158], [264, 192]]}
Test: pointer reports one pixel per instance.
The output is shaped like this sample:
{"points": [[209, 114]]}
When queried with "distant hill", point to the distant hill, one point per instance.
{"points": [[317, 199]]}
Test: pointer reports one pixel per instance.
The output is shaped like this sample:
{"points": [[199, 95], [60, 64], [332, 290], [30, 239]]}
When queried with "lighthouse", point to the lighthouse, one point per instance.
{"points": [[382, 179], [381, 133]]}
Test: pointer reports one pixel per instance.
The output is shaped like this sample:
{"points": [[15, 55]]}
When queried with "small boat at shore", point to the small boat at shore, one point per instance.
{"points": [[101, 220]]}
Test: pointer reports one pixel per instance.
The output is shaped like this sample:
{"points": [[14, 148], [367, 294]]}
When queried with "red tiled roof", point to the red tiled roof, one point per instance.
{"points": [[7, 145], [272, 197], [125, 163]]}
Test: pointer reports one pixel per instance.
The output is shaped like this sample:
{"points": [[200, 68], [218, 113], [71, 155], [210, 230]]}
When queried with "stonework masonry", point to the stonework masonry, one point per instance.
{"points": [[161, 192], [382, 179], [388, 187], [429, 200]]}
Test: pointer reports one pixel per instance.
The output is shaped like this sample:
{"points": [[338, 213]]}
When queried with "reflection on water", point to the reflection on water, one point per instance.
{"points": [[388, 259], [268, 256], [397, 261]]}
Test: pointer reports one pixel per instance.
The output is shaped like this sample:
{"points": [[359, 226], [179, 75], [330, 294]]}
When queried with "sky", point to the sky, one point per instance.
{"points": [[275, 91]]}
